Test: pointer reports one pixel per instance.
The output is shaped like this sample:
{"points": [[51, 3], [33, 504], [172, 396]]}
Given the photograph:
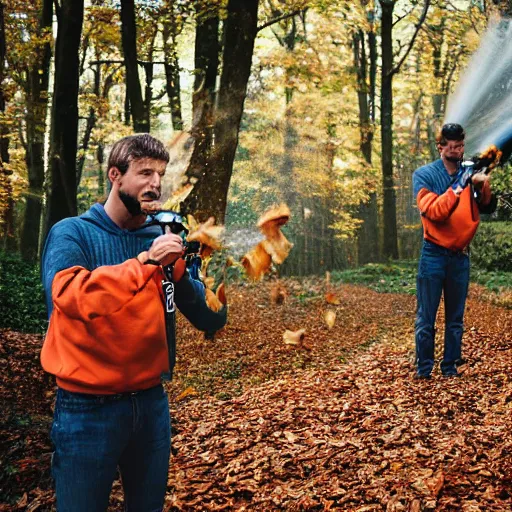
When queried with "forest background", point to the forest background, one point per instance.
{"points": [[327, 106]]}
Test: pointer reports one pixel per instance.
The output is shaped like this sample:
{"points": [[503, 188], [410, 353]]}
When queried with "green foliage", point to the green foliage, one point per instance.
{"points": [[397, 277], [400, 277], [494, 281], [491, 248], [501, 180], [22, 305]]}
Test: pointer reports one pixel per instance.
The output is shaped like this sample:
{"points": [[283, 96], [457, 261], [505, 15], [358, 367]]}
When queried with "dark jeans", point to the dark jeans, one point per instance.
{"points": [[440, 270], [93, 435]]}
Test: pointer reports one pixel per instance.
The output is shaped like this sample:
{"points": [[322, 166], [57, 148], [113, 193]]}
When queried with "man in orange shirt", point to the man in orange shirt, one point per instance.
{"points": [[449, 198], [112, 281]]}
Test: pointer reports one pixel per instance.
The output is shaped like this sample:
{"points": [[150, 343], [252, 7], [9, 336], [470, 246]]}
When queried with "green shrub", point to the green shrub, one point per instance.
{"points": [[491, 248], [22, 306]]}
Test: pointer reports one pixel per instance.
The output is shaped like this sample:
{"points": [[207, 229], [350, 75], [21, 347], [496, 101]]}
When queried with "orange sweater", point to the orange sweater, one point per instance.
{"points": [[94, 342], [449, 220]]}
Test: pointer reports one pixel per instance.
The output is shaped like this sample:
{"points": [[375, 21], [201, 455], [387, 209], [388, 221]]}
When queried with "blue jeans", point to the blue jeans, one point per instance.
{"points": [[94, 434], [440, 270]]}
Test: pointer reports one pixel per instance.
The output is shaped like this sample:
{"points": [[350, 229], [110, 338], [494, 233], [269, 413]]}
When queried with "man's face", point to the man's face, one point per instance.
{"points": [[140, 186], [453, 151]]}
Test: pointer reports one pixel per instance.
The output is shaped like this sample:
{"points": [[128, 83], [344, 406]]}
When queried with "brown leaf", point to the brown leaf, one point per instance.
{"points": [[294, 337], [330, 318], [278, 294]]}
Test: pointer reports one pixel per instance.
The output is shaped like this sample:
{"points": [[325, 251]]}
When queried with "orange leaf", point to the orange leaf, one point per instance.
{"points": [[278, 247], [331, 298], [256, 262], [221, 294], [273, 219], [270, 224], [208, 235], [212, 300], [190, 391]]}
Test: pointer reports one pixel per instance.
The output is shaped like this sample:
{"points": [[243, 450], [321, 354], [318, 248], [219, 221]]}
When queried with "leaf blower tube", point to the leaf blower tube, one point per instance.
{"points": [[494, 155]]}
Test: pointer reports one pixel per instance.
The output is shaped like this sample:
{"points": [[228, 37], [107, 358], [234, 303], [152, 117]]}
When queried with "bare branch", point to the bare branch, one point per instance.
{"points": [[280, 18], [400, 18], [423, 16]]}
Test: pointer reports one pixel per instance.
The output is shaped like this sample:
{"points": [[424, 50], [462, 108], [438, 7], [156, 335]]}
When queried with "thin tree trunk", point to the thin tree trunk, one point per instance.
{"points": [[172, 74], [138, 110], [37, 108], [91, 123], [64, 133], [390, 243], [368, 235]]}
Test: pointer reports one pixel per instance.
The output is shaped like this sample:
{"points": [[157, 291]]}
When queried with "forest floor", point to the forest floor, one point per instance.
{"points": [[336, 422]]}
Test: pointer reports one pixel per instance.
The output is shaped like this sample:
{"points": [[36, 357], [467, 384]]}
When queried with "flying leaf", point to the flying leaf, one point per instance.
{"points": [[256, 262], [278, 247], [273, 219], [270, 223], [212, 300], [208, 235], [330, 318]]}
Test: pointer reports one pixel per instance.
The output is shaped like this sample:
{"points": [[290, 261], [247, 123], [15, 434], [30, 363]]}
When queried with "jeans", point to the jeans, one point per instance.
{"points": [[440, 270], [93, 435]]}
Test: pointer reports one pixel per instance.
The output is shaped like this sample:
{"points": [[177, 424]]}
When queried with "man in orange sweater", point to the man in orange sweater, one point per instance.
{"points": [[110, 340], [449, 199]]}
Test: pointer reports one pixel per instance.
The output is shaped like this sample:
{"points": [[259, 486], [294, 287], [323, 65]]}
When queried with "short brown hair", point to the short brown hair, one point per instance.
{"points": [[134, 147], [450, 131]]}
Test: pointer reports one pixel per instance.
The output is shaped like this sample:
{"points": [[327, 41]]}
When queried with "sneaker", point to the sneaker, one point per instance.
{"points": [[451, 375]]}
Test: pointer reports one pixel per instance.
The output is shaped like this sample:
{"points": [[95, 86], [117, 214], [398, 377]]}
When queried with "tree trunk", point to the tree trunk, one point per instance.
{"points": [[390, 243], [203, 99], [138, 110], [64, 133], [211, 192], [91, 123], [37, 107], [172, 74], [368, 234]]}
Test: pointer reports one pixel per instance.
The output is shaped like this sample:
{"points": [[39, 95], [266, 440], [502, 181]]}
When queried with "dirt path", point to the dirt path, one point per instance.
{"points": [[341, 425]]}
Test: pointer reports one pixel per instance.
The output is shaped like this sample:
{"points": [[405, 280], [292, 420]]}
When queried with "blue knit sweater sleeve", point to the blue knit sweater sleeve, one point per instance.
{"points": [[61, 251]]}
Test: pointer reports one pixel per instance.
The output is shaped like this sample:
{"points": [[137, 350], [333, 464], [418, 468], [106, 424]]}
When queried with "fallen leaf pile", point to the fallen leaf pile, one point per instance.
{"points": [[262, 425]]}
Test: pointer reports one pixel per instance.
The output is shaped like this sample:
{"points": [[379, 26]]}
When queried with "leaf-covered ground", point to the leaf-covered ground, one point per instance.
{"points": [[335, 423]]}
